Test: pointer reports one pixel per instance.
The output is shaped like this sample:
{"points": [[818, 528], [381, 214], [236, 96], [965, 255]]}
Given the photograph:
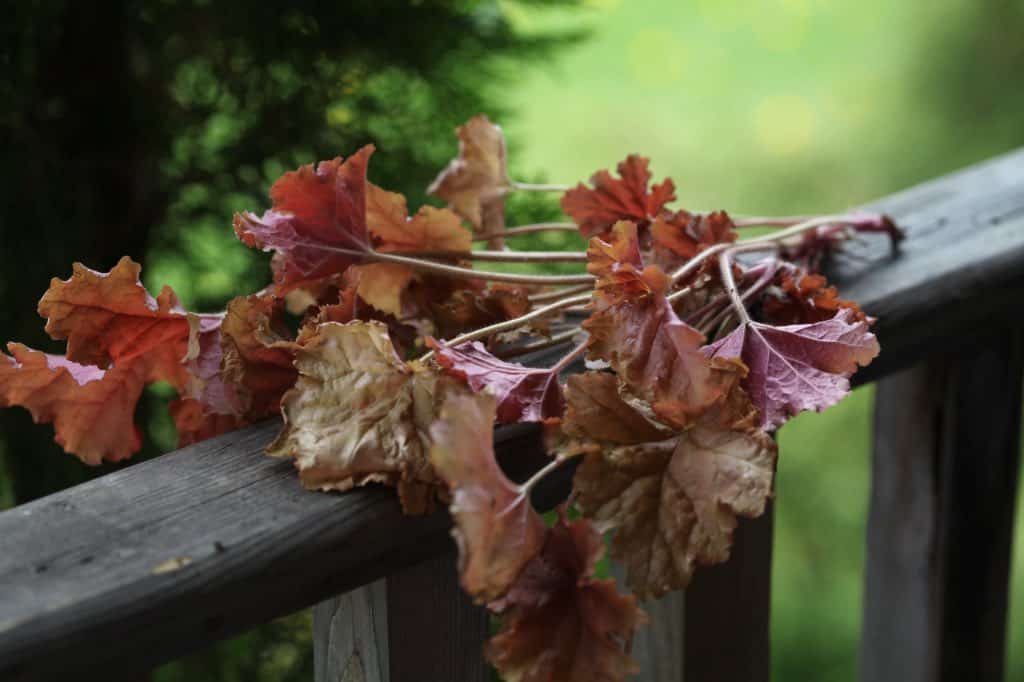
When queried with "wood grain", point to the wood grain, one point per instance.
{"points": [[941, 517], [238, 542], [350, 636]]}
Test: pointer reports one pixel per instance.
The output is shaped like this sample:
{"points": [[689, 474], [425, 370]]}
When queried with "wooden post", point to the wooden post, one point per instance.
{"points": [[657, 646], [728, 611], [941, 519], [417, 624]]}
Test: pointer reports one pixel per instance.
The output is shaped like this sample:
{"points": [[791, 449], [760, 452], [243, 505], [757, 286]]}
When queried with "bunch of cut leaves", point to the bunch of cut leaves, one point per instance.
{"points": [[698, 344]]}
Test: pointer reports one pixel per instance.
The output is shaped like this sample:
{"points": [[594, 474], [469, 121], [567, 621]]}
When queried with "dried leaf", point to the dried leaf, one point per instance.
{"points": [[635, 330], [92, 409], [431, 229], [358, 414], [672, 496], [475, 182], [524, 394], [798, 367], [679, 236], [595, 210], [560, 622], [497, 530], [465, 310], [313, 212], [805, 299]]}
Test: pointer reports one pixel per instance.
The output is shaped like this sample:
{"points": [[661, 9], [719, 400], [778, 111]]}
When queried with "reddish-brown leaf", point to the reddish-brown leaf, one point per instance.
{"points": [[798, 367], [475, 182], [630, 197], [679, 236], [496, 529], [465, 309], [111, 318], [561, 623], [524, 394], [313, 212], [634, 329]]}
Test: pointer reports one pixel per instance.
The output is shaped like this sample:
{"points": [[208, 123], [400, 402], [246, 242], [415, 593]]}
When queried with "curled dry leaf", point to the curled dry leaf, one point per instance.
{"points": [[358, 414], [561, 623], [111, 318], [635, 330], [496, 528], [803, 299], [475, 182], [313, 211], [628, 197], [798, 367], [524, 394], [679, 236], [673, 497], [465, 309]]}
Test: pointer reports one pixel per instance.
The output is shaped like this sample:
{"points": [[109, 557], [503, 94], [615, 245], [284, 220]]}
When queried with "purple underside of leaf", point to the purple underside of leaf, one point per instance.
{"points": [[798, 367], [525, 394]]}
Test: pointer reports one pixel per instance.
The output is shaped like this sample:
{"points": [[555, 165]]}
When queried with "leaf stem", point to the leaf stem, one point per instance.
{"points": [[725, 267], [553, 295], [526, 229], [532, 482], [515, 323], [454, 270], [569, 358], [530, 187], [505, 256], [556, 340]]}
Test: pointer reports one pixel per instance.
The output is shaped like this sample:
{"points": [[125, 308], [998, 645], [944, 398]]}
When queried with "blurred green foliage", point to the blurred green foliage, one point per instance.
{"points": [[140, 127]]}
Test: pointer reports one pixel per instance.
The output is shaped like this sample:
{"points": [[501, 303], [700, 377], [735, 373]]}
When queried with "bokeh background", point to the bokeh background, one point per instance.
{"points": [[140, 127]]}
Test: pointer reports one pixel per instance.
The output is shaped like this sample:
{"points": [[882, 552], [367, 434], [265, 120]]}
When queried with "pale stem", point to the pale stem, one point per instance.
{"points": [[454, 270], [556, 340], [553, 295], [530, 187], [748, 244], [526, 229], [767, 274], [525, 488], [725, 267], [568, 359], [509, 325], [505, 256], [769, 221]]}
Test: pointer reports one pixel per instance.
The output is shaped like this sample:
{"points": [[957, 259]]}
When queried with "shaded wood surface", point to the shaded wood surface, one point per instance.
{"points": [[350, 636], [947, 448], [657, 646], [154, 561]]}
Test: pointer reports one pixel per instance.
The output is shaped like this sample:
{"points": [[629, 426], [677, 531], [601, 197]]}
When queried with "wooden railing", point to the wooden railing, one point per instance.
{"points": [[117, 575]]}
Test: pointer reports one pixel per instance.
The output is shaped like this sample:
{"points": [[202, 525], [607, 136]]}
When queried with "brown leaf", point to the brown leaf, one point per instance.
{"points": [[679, 236], [672, 496], [805, 299], [257, 354], [466, 310], [629, 197], [496, 529], [358, 414], [560, 622], [475, 182]]}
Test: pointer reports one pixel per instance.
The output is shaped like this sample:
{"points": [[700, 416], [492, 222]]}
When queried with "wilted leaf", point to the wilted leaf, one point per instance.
{"points": [[673, 497], [798, 367], [92, 409], [681, 235], [496, 529], [634, 329], [560, 622], [465, 309], [475, 182], [629, 197], [524, 394], [257, 354], [358, 414], [313, 212]]}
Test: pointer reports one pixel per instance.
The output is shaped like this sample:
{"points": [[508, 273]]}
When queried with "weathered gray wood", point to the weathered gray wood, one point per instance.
{"points": [[350, 636], [941, 518], [728, 609], [159, 559], [436, 631], [657, 646]]}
